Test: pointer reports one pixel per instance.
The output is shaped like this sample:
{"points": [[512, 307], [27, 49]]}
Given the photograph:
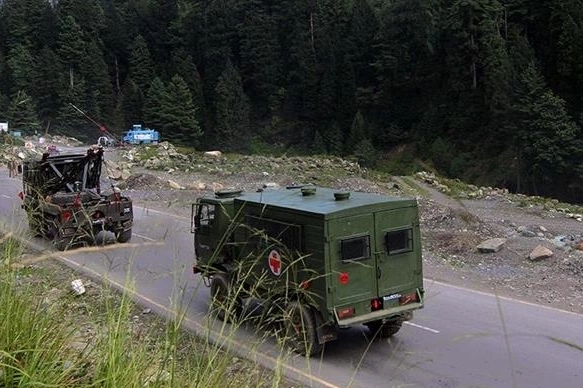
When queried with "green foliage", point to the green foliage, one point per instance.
{"points": [[20, 62], [318, 146], [231, 110], [154, 104], [366, 154], [71, 47], [141, 68], [417, 70], [441, 152], [22, 114], [179, 113], [358, 133]]}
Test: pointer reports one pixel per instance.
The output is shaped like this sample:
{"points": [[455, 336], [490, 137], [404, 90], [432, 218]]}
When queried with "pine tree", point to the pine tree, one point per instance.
{"points": [[69, 121], [22, 114], [154, 104], [358, 133], [231, 111], [20, 62], [334, 140], [47, 79], [548, 139], [101, 101], [260, 58], [183, 64], [132, 102], [71, 47], [29, 22], [180, 113], [141, 70]]}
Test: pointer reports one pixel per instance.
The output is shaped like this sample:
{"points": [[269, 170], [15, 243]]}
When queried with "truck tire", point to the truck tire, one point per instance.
{"points": [[35, 226], [300, 329], [386, 329], [222, 303], [124, 236], [62, 243]]}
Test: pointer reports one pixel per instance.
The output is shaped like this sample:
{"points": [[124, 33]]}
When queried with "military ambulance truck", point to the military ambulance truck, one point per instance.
{"points": [[315, 258]]}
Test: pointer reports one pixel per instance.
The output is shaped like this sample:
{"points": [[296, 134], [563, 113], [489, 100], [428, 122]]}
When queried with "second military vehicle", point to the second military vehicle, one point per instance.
{"points": [[315, 259], [139, 135], [63, 200]]}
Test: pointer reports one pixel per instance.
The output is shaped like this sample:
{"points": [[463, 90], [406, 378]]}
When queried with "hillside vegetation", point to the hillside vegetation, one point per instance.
{"points": [[485, 91]]}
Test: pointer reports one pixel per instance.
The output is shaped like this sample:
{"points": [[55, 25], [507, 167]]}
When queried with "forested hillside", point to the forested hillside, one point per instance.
{"points": [[485, 90]]}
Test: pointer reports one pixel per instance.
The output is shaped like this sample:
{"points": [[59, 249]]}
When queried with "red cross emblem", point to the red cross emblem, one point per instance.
{"points": [[274, 262]]}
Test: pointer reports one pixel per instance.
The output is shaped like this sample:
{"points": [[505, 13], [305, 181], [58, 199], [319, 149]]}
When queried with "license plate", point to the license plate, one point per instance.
{"points": [[391, 297]]}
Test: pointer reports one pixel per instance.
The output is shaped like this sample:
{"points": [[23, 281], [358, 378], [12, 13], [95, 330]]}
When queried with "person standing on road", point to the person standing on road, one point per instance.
{"points": [[12, 168]]}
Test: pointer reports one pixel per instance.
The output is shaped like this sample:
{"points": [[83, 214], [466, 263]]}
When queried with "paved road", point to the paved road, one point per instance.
{"points": [[461, 339]]}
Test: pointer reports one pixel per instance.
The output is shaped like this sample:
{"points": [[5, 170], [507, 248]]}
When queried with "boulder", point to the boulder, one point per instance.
{"points": [[539, 253], [491, 245], [214, 154], [174, 185]]}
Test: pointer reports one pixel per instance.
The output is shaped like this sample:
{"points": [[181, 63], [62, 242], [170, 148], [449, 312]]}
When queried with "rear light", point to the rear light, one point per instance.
{"points": [[376, 304], [66, 215], [21, 195], [345, 312], [408, 298], [304, 285]]}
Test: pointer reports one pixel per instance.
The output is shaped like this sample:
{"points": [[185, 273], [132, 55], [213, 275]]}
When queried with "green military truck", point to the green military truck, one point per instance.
{"points": [[315, 258], [63, 200]]}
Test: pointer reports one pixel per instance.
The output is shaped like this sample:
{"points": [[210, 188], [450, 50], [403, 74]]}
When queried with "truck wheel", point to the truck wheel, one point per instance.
{"points": [[300, 329], [386, 329], [62, 243], [222, 303], [35, 227], [124, 236]]}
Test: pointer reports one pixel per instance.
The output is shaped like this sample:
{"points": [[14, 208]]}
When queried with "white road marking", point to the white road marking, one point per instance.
{"points": [[6, 196], [144, 237], [421, 327], [494, 294]]}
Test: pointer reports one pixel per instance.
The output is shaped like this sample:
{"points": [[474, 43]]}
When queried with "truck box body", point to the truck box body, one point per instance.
{"points": [[357, 254]]}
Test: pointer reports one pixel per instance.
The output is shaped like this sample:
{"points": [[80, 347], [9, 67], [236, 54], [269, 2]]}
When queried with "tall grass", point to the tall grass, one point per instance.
{"points": [[41, 343]]}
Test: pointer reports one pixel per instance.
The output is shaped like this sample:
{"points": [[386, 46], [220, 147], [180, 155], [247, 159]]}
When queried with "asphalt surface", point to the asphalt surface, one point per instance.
{"points": [[462, 338]]}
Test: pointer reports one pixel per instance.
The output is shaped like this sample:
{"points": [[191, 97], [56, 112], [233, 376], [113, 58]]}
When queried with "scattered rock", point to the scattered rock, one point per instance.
{"points": [[539, 253], [214, 154], [175, 185], [492, 245]]}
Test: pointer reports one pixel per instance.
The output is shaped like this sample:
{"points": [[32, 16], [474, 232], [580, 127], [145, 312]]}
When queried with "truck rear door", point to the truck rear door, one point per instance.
{"points": [[374, 255], [353, 265], [396, 250]]}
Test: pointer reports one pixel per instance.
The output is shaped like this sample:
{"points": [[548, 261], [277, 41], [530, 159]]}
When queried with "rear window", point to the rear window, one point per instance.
{"points": [[399, 241], [355, 248]]}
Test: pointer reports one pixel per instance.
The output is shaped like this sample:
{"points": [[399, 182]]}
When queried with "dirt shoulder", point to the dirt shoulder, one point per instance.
{"points": [[452, 230]]}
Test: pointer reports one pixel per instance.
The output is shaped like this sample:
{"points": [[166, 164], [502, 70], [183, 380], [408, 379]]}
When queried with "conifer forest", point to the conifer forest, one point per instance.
{"points": [[488, 91]]}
